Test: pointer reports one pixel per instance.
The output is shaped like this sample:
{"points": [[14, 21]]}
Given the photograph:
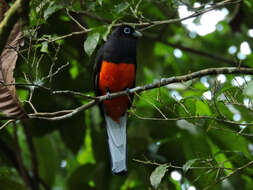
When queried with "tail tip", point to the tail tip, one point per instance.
{"points": [[121, 173]]}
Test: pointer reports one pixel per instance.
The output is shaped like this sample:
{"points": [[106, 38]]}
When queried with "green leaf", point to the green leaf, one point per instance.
{"points": [[91, 43], [202, 108], [248, 90], [219, 156], [100, 2], [224, 110], [73, 137], [10, 184], [157, 175], [51, 9], [46, 155], [23, 94], [188, 164], [185, 125], [177, 184], [74, 71], [86, 155], [189, 106], [81, 177], [121, 7], [44, 47], [108, 30], [248, 3]]}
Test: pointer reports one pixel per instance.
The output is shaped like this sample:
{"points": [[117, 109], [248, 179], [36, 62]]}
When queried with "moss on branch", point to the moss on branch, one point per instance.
{"points": [[11, 17]]}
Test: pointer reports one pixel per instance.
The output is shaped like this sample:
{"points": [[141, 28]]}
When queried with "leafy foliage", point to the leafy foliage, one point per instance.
{"points": [[201, 128]]}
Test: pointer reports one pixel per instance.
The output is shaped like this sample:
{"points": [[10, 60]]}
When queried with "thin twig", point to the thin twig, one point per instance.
{"points": [[181, 167], [197, 13], [65, 36], [151, 103], [73, 93], [162, 82], [55, 73], [31, 105], [158, 84], [147, 24], [249, 164], [6, 123], [194, 118], [68, 115], [73, 19], [51, 114]]}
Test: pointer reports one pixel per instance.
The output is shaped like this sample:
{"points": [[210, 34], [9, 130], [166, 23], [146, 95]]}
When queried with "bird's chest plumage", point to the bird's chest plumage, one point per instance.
{"points": [[116, 77]]}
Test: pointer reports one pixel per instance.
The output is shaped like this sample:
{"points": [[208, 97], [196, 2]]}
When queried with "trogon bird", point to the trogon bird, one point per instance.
{"points": [[115, 70]]}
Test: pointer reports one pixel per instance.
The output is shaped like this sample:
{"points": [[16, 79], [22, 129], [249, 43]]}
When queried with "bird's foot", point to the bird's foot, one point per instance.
{"points": [[108, 95], [128, 91]]}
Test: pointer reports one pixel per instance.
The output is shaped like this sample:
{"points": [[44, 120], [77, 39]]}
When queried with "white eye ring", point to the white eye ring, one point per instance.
{"points": [[127, 30]]}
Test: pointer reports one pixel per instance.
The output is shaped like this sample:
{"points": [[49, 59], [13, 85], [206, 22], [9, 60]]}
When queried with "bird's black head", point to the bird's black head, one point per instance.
{"points": [[125, 31], [121, 45]]}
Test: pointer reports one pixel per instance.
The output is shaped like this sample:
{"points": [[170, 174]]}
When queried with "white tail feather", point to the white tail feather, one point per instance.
{"points": [[117, 143]]}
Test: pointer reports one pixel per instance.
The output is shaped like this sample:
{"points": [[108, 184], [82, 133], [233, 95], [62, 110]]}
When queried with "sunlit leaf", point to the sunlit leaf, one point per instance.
{"points": [[121, 7], [202, 108], [248, 3], [91, 43], [44, 47], [188, 164], [248, 90], [157, 175], [185, 125], [51, 9], [159, 125], [100, 2]]}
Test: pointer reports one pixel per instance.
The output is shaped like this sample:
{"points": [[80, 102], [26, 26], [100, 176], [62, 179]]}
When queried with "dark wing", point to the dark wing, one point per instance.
{"points": [[134, 84], [96, 70]]}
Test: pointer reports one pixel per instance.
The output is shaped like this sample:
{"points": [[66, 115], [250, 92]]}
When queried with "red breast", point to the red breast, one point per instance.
{"points": [[116, 77]]}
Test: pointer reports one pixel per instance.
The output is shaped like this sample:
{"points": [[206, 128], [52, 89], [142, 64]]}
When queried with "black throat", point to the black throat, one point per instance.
{"points": [[120, 50]]}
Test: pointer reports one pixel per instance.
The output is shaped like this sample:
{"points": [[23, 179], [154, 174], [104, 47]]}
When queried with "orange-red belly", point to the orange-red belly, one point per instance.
{"points": [[116, 77]]}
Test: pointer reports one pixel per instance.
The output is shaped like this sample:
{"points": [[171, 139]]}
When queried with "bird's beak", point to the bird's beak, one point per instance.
{"points": [[137, 34]]}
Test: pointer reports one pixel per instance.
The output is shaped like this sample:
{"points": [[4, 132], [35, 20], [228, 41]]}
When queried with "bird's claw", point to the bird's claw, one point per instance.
{"points": [[108, 95], [128, 91]]}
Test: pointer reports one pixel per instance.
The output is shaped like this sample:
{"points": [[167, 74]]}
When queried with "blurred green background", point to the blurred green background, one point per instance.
{"points": [[73, 154]]}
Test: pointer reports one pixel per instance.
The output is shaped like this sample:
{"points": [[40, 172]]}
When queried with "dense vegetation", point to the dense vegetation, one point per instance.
{"points": [[189, 132]]}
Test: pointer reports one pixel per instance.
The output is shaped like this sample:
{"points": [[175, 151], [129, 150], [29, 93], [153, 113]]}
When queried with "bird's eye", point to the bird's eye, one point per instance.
{"points": [[127, 30]]}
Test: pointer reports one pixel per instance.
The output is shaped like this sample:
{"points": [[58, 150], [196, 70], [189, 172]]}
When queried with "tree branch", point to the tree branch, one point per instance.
{"points": [[181, 167], [143, 24], [197, 13], [158, 84], [234, 170], [226, 121]]}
